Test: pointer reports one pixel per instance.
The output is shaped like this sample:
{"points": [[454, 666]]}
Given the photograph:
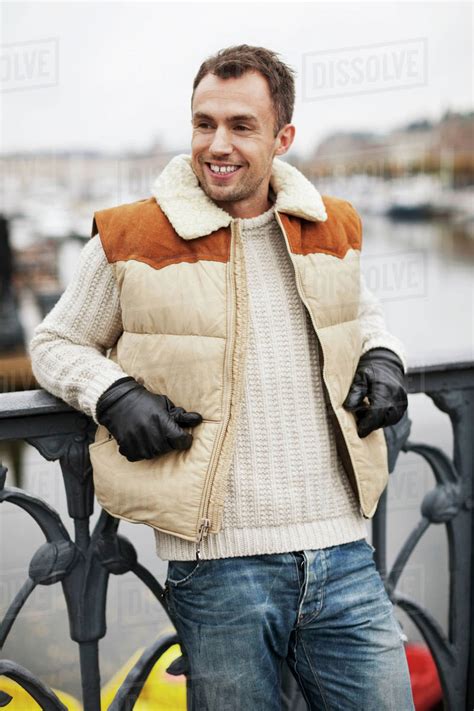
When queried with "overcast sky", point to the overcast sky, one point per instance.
{"points": [[113, 76]]}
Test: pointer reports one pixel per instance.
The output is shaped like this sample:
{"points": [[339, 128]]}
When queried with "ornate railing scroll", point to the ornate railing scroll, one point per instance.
{"points": [[450, 503], [83, 565]]}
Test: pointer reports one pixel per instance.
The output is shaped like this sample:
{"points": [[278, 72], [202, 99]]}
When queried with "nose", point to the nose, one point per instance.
{"points": [[221, 144]]}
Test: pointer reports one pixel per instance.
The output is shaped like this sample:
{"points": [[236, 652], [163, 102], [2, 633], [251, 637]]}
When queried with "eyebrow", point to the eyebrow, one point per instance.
{"points": [[238, 117]]}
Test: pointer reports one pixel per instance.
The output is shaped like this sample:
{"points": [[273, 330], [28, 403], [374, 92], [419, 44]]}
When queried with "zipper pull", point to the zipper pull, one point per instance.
{"points": [[203, 531]]}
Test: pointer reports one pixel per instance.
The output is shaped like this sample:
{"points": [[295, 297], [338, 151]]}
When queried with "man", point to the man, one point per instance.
{"points": [[241, 403]]}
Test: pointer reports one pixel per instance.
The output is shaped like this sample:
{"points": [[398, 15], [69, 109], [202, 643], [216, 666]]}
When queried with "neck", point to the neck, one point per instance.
{"points": [[251, 207]]}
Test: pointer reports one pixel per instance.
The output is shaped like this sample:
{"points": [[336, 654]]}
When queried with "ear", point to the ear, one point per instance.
{"points": [[284, 139]]}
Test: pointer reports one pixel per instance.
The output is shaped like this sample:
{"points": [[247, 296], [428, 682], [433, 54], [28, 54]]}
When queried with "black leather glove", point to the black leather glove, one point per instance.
{"points": [[379, 376], [145, 425]]}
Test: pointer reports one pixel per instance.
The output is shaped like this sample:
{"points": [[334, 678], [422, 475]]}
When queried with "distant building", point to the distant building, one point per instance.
{"points": [[445, 147]]}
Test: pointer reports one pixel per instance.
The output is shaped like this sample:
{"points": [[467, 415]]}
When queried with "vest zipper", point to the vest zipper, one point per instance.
{"points": [[300, 292], [205, 520], [203, 531]]}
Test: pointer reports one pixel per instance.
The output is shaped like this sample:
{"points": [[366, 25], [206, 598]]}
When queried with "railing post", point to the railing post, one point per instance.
{"points": [[451, 387]]}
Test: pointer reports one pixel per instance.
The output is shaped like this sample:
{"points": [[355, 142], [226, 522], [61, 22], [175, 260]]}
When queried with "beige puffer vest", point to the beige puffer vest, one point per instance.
{"points": [[180, 270]]}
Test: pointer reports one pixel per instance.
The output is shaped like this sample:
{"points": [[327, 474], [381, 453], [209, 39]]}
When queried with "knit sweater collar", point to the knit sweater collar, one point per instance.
{"points": [[262, 220], [193, 214]]}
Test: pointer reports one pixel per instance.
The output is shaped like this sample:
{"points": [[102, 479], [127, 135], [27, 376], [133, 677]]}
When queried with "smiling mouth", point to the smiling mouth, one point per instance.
{"points": [[225, 172]]}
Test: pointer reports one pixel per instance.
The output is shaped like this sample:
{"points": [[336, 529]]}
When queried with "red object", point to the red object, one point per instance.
{"points": [[425, 683]]}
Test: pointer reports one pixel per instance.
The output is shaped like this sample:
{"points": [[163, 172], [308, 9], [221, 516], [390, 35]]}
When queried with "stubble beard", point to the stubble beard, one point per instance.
{"points": [[239, 192]]}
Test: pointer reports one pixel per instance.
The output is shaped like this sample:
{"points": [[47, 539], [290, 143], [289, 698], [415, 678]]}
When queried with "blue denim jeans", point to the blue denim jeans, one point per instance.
{"points": [[325, 612]]}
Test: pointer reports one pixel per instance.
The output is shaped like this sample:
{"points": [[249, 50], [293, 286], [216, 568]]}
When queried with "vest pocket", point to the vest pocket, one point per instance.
{"points": [[102, 435], [165, 492]]}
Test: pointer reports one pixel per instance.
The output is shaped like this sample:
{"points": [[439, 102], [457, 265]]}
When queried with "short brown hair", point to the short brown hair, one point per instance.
{"points": [[239, 59]]}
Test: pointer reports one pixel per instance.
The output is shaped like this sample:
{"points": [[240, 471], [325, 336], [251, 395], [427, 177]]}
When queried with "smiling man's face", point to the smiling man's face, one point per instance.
{"points": [[233, 121]]}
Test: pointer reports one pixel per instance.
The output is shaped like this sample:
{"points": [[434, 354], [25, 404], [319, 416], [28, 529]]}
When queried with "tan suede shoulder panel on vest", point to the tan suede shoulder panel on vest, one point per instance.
{"points": [[340, 232], [141, 231]]}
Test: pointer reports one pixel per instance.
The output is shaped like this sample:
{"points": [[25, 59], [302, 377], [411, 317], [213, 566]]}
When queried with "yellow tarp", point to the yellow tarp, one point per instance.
{"points": [[161, 692]]}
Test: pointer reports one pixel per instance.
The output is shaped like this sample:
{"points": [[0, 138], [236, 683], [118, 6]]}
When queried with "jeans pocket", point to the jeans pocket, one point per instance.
{"points": [[180, 571]]}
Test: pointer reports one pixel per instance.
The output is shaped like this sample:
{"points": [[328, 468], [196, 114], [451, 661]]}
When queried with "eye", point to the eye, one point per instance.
{"points": [[243, 128]]}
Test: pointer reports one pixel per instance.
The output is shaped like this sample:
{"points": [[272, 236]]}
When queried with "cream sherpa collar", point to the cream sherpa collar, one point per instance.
{"points": [[193, 214]]}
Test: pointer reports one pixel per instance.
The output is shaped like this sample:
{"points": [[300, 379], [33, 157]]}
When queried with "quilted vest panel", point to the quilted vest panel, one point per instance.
{"points": [[177, 298]]}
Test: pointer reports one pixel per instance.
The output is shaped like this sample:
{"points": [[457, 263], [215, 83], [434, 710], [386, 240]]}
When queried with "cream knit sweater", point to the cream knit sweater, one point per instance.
{"points": [[287, 489]]}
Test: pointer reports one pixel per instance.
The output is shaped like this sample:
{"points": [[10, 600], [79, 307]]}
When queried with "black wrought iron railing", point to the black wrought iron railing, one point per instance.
{"points": [[83, 565]]}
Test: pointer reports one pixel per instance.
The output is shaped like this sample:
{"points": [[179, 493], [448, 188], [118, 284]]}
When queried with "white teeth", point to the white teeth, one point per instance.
{"points": [[224, 168]]}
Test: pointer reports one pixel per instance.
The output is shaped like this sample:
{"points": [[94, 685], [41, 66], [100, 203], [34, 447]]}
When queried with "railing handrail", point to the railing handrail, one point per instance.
{"points": [[39, 402], [33, 402]]}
